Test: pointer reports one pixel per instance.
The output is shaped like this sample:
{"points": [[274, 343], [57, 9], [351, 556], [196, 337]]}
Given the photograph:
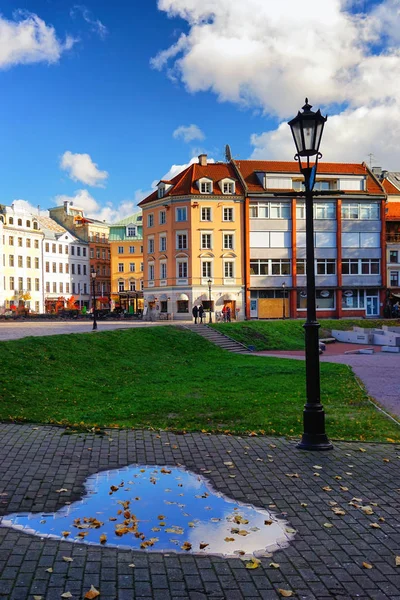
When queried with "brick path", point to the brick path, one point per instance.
{"points": [[320, 563]]}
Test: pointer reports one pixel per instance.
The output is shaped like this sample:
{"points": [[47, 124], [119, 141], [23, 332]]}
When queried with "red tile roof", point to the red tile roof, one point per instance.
{"points": [[248, 168], [393, 211], [390, 188], [184, 184]]}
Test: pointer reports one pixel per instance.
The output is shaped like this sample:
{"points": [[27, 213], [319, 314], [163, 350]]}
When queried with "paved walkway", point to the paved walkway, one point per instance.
{"points": [[321, 562]]}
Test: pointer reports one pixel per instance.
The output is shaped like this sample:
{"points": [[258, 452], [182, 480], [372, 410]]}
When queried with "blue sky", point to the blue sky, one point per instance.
{"points": [[94, 88]]}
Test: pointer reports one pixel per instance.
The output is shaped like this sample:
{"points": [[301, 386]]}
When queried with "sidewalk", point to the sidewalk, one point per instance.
{"points": [[320, 563]]}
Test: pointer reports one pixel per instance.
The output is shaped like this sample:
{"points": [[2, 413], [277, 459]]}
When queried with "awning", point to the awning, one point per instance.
{"points": [[230, 296], [183, 297], [163, 297], [150, 298]]}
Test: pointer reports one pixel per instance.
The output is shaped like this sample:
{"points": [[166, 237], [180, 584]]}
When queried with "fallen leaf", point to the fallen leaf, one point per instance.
{"points": [[362, 449], [228, 539], [328, 525], [49, 570], [253, 564], [367, 510], [132, 566], [66, 595], [366, 565], [338, 477], [268, 522], [103, 538], [290, 530], [285, 593], [92, 593], [344, 489], [274, 565], [386, 460], [202, 545], [339, 511], [61, 490], [186, 546], [67, 559], [65, 533], [37, 597], [375, 525], [397, 561], [326, 488], [293, 475], [317, 475], [304, 504], [381, 519]]}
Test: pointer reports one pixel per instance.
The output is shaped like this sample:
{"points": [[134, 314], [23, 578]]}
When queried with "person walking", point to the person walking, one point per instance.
{"points": [[224, 313], [228, 314], [195, 312], [201, 313]]}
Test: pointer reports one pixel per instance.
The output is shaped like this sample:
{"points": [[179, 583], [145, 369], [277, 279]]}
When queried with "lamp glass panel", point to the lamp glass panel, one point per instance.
{"points": [[296, 132], [309, 135]]}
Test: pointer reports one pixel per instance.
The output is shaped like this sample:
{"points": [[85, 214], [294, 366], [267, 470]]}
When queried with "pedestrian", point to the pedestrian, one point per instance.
{"points": [[224, 313], [201, 313], [228, 314], [195, 312]]}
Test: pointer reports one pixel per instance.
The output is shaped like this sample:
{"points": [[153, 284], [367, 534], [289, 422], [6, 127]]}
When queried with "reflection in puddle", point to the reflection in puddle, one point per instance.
{"points": [[160, 509]]}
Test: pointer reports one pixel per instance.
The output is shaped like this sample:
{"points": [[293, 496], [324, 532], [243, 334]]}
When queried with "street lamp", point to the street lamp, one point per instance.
{"points": [[93, 273], [209, 298], [307, 128], [284, 298]]}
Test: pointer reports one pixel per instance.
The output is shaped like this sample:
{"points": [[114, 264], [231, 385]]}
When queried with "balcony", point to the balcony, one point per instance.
{"points": [[393, 238]]}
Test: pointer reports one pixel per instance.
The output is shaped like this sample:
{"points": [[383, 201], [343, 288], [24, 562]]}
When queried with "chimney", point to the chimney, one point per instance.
{"points": [[377, 171], [203, 160]]}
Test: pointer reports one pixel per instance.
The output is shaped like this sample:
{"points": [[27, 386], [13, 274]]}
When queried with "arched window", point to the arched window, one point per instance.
{"points": [[11, 221], [28, 223], [20, 222], [35, 225]]}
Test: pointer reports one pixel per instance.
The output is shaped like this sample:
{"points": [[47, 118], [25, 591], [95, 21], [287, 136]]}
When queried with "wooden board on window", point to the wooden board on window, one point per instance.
{"points": [[272, 308]]}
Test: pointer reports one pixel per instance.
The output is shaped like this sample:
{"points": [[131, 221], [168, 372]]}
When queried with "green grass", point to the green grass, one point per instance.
{"points": [[289, 334], [166, 377]]}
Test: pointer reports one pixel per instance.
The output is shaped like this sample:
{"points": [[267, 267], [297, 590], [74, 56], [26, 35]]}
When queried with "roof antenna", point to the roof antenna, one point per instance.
{"points": [[371, 156], [228, 154]]}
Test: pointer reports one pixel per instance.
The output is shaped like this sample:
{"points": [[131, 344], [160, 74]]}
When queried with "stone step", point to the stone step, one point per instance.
{"points": [[217, 338]]}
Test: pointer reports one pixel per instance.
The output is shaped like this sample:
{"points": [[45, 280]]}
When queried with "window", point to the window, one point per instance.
{"points": [[141, 249], [20, 242], [54, 248], [131, 249], [206, 268], [205, 213], [67, 268], [163, 270], [131, 231], [67, 288], [393, 256], [182, 306], [279, 210], [73, 287], [298, 184], [206, 241], [141, 267], [228, 241], [28, 223], [150, 220], [394, 278], [29, 262], [60, 249], [150, 245], [91, 253], [20, 261], [73, 269], [84, 251], [205, 187], [362, 210], [12, 283], [182, 269], [120, 249], [54, 267], [228, 214], [11, 240], [78, 250], [325, 266], [47, 247], [151, 272], [161, 191], [361, 266], [60, 268], [11, 221], [120, 267], [301, 266], [79, 269], [19, 222], [269, 266], [181, 241], [47, 267], [11, 260], [353, 299], [162, 217], [324, 210], [28, 242], [48, 287], [73, 250], [66, 250], [121, 286], [97, 252], [84, 270], [228, 187], [132, 267], [325, 299], [29, 284], [163, 243], [132, 285], [103, 254], [61, 288], [228, 269], [181, 214], [20, 284]]}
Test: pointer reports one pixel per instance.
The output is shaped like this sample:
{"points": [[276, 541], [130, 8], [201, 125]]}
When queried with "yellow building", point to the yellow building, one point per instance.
{"points": [[193, 243], [126, 243]]}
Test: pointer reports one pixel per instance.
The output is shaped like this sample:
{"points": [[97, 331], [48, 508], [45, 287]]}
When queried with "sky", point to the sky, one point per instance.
{"points": [[100, 100]]}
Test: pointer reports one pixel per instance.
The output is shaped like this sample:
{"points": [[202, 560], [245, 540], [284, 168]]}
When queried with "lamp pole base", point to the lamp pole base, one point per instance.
{"points": [[314, 441]]}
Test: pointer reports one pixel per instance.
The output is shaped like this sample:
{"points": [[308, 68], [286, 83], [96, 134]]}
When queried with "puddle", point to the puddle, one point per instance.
{"points": [[161, 509]]}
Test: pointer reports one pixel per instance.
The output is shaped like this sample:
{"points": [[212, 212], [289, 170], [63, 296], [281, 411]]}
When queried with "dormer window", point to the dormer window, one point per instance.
{"points": [[161, 191], [131, 231], [205, 185], [228, 187]]}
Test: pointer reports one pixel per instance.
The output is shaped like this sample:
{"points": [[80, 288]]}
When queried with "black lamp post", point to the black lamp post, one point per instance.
{"points": [[93, 273], [209, 298], [307, 128], [284, 299]]}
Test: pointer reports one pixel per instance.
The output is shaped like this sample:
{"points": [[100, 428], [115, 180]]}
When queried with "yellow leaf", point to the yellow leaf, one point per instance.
{"points": [[186, 546], [290, 530], [61, 490], [268, 522], [375, 525], [328, 525], [362, 449], [65, 533], [49, 570], [304, 504], [344, 489], [253, 564], [37, 597], [397, 561], [274, 565], [366, 565], [386, 460], [293, 475], [103, 538], [367, 510], [67, 559], [339, 511], [92, 593], [66, 595], [285, 593], [228, 539], [326, 488]]}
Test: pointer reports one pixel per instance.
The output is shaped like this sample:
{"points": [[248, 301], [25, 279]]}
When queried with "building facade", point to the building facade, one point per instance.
{"points": [[391, 184], [349, 239], [126, 245], [21, 262], [193, 243]]}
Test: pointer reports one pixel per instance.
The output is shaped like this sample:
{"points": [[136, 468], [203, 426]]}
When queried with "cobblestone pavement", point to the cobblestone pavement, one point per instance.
{"points": [[320, 563]]}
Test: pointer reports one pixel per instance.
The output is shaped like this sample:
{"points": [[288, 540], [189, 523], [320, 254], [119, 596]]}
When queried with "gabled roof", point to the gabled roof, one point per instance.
{"points": [[393, 211], [184, 184], [51, 225], [390, 188], [249, 168], [135, 219]]}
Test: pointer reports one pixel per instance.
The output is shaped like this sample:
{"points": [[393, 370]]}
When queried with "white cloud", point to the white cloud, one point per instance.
{"points": [[271, 55], [176, 169], [108, 213], [188, 133], [80, 167], [25, 206], [28, 39], [96, 25]]}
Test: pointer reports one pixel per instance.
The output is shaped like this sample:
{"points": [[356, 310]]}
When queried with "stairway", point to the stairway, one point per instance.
{"points": [[217, 338]]}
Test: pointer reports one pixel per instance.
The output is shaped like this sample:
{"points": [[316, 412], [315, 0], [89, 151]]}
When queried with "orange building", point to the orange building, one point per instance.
{"points": [[193, 243]]}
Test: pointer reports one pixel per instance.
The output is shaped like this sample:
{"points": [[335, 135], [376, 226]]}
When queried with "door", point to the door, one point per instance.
{"points": [[372, 309]]}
